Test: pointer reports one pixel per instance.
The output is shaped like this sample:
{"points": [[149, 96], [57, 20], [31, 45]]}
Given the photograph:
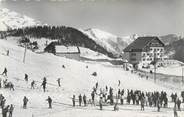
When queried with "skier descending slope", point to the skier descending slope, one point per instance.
{"points": [[49, 101], [26, 78], [59, 82], [4, 72], [44, 83], [33, 84]]}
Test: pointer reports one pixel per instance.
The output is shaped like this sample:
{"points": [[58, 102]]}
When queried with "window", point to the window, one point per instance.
{"points": [[147, 59], [143, 59], [148, 54], [158, 49], [133, 54], [158, 53]]}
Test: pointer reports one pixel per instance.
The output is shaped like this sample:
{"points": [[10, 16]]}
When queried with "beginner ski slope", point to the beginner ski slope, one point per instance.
{"points": [[76, 79]]}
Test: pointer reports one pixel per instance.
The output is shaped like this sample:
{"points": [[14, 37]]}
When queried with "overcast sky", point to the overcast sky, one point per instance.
{"points": [[120, 17]]}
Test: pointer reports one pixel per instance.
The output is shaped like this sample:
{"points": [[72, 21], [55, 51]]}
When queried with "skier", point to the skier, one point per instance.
{"points": [[5, 111], [7, 53], [142, 103], [119, 82], [11, 86], [44, 83], [93, 97], [100, 103], [0, 83], [178, 104], [4, 72], [80, 100], [59, 82], [73, 100], [175, 112], [96, 85], [121, 99], [158, 105], [11, 110], [116, 108], [25, 100], [49, 101], [3, 102], [26, 78], [32, 84], [84, 99]]}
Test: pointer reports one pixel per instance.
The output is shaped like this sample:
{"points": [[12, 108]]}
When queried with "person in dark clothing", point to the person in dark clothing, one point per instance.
{"points": [[84, 99], [3, 102], [33, 84], [0, 83], [96, 85], [59, 82], [44, 84], [158, 105], [142, 103], [100, 103], [119, 82], [7, 53], [175, 112], [93, 97], [26, 78], [25, 100], [178, 102], [11, 110], [5, 72], [5, 111], [11, 86], [80, 100], [49, 101], [73, 100]]}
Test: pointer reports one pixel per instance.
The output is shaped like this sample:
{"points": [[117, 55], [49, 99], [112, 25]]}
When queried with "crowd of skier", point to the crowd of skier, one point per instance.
{"points": [[107, 96]]}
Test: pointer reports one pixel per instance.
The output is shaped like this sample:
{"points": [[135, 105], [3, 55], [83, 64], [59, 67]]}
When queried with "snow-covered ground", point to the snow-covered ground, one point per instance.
{"points": [[173, 69], [76, 79]]}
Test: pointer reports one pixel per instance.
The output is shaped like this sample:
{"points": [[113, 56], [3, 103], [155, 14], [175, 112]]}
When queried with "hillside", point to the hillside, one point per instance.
{"points": [[176, 48], [108, 41], [76, 79]]}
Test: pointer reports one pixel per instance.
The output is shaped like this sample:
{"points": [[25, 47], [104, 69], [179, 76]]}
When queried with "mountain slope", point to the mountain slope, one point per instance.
{"points": [[11, 20], [108, 41]]}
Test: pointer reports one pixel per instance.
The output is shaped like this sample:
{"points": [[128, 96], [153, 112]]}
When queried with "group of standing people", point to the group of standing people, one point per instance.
{"points": [[6, 109], [134, 97]]}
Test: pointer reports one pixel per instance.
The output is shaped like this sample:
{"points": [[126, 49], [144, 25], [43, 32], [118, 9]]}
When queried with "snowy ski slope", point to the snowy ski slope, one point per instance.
{"points": [[75, 79]]}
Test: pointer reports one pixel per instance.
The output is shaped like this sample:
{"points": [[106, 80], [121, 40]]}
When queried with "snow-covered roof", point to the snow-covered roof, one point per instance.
{"points": [[67, 49], [140, 43]]}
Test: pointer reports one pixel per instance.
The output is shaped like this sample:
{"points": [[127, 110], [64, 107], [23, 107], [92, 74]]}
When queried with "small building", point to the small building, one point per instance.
{"points": [[72, 52], [144, 50]]}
